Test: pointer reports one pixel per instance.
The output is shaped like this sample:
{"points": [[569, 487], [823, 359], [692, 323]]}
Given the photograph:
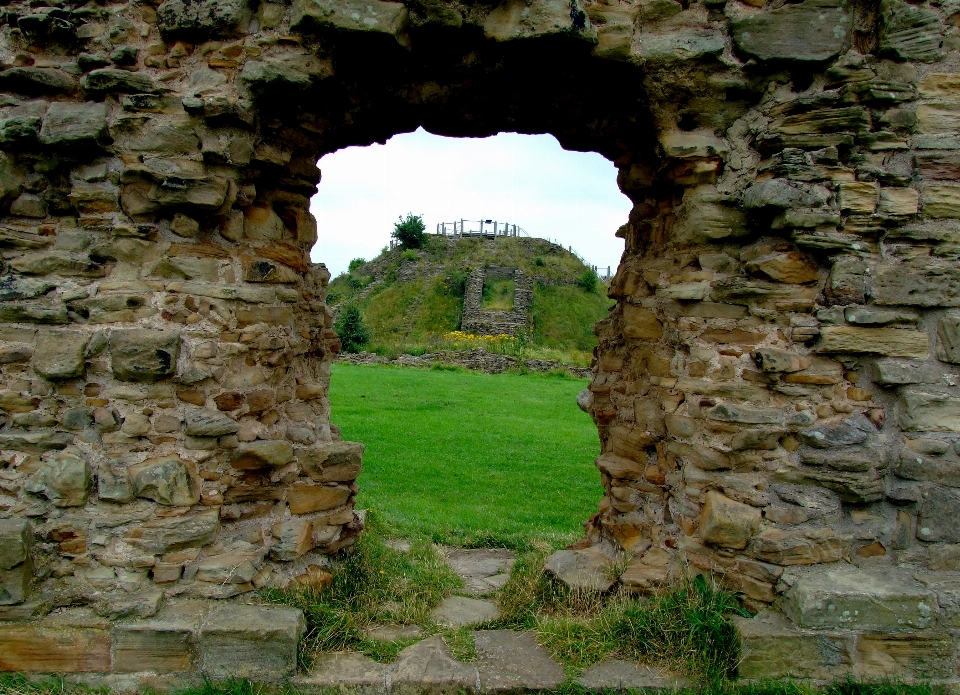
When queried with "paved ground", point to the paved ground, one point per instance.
{"points": [[507, 661]]}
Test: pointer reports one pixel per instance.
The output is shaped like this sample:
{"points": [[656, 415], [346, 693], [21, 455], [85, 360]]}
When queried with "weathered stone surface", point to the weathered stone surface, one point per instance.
{"points": [[332, 461], [35, 440], [99, 83], [948, 339], [202, 20], [782, 194], [923, 282], [73, 125], [168, 480], [938, 507], [41, 649], [809, 31], [228, 568], [929, 409], [144, 355], [16, 538], [771, 647], [305, 498], [209, 423], [113, 485], [588, 570], [848, 432], [726, 522], [908, 32], [428, 667], [262, 454], [350, 670], [941, 200], [892, 372], [511, 661], [628, 676], [293, 539], [461, 611], [255, 642], [60, 354], [482, 569], [640, 323], [176, 533], [850, 598], [891, 342], [799, 548], [380, 17], [64, 480], [921, 656], [15, 584], [161, 644]]}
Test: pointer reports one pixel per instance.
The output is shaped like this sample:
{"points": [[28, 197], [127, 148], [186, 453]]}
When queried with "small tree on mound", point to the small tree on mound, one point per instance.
{"points": [[588, 280], [410, 232], [353, 332]]}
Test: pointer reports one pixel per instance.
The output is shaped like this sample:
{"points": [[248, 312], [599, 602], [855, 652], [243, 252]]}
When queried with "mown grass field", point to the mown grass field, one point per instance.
{"points": [[470, 458]]}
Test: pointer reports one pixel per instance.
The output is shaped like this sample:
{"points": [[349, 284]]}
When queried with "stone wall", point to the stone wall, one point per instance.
{"points": [[776, 387], [479, 321]]}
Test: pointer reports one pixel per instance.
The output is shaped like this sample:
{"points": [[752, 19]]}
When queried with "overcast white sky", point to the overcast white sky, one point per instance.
{"points": [[528, 180]]}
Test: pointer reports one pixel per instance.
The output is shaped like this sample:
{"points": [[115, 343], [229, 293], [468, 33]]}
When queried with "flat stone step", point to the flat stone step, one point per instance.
{"points": [[512, 662], [484, 570], [392, 633], [851, 598], [621, 676], [461, 611], [428, 667], [345, 671]]}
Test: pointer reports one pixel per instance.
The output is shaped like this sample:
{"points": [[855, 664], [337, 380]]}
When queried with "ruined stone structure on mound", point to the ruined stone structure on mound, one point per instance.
{"points": [[480, 321], [776, 390]]}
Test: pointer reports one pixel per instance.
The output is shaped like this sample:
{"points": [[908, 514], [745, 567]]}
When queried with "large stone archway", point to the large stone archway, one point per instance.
{"points": [[775, 387]]}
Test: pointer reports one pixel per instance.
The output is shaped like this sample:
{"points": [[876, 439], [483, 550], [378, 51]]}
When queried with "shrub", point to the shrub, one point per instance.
{"points": [[539, 262], [354, 334], [410, 255], [410, 232], [588, 280], [356, 263], [456, 283]]}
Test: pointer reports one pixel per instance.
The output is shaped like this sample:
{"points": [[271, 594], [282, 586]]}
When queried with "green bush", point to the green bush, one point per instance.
{"points": [[410, 255], [455, 283], [410, 232], [356, 263], [539, 262], [588, 280], [354, 334]]}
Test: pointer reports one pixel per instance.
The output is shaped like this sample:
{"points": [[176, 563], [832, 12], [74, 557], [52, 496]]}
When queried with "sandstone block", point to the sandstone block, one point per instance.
{"points": [[859, 197], [167, 480], [428, 667], [891, 342], [68, 124], [727, 523], [898, 201], [774, 360], [113, 484], [164, 535], [64, 480], [924, 282], [799, 548], [255, 642], [927, 409], [938, 509], [209, 423], [586, 570], [640, 323], [908, 32], [941, 200], [508, 22], [305, 498], [143, 354], [16, 538], [198, 21], [332, 461], [379, 17], [849, 432], [161, 644], [771, 648], [14, 586], [893, 372], [948, 334], [60, 354], [262, 454], [509, 661], [294, 537], [809, 31], [922, 656], [36, 440], [847, 598], [39, 649]]}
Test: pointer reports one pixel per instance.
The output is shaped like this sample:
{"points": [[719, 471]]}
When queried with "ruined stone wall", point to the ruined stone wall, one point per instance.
{"points": [[480, 321], [776, 386]]}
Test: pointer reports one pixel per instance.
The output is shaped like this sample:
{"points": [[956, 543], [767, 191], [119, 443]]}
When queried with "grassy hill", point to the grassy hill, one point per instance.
{"points": [[411, 298]]}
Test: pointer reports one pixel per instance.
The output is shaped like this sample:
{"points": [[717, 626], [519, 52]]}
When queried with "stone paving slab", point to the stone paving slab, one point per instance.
{"points": [[483, 570], [513, 662], [428, 667], [392, 633], [349, 671], [627, 675], [461, 611]]}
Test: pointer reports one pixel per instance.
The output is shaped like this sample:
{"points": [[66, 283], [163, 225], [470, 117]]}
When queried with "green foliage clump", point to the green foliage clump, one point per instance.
{"points": [[410, 232], [356, 263], [455, 283], [539, 262], [588, 280], [410, 255], [353, 332]]}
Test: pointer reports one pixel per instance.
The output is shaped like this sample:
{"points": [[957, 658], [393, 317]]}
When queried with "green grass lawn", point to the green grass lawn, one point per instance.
{"points": [[470, 458]]}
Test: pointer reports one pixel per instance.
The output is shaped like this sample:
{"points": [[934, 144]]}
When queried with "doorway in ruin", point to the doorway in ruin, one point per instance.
{"points": [[468, 458]]}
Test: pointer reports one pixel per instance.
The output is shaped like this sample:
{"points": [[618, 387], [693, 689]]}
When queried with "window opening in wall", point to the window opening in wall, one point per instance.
{"points": [[518, 239]]}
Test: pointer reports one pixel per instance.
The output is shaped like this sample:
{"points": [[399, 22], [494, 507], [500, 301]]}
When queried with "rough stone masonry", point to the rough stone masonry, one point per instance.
{"points": [[776, 390]]}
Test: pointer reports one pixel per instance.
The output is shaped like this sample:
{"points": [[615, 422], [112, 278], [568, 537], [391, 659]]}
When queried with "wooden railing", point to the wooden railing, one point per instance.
{"points": [[481, 228]]}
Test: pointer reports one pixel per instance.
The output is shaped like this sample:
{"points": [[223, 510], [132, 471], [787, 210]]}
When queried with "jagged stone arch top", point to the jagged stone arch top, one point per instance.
{"points": [[774, 388]]}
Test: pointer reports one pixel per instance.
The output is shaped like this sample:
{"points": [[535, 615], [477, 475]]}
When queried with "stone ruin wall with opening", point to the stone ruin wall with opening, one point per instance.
{"points": [[776, 388], [480, 321]]}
